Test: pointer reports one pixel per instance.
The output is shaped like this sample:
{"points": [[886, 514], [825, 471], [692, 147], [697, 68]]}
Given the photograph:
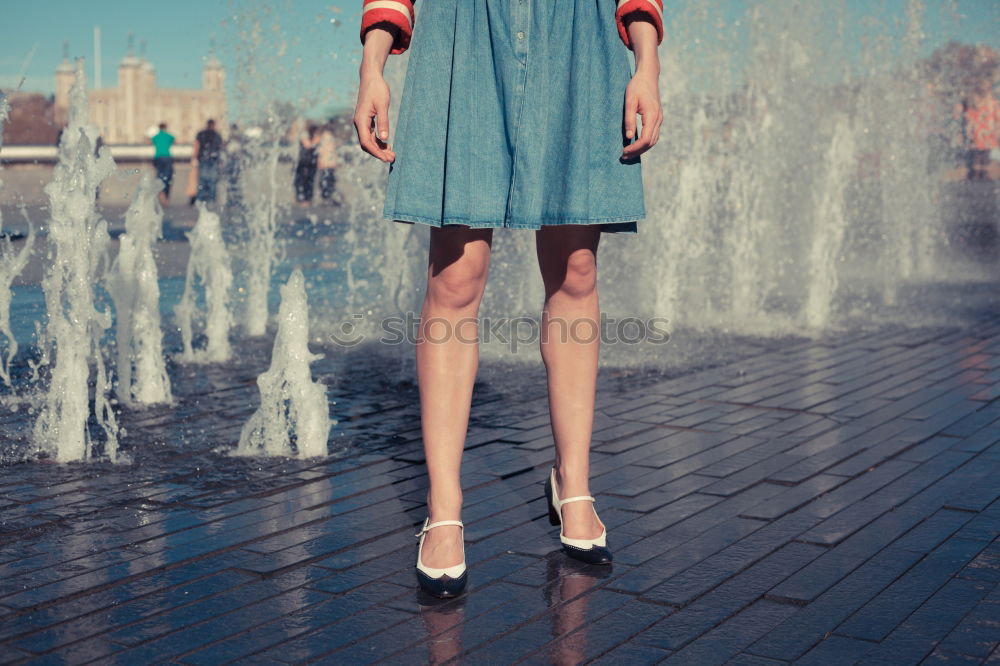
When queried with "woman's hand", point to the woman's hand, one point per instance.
{"points": [[642, 95], [371, 115]]}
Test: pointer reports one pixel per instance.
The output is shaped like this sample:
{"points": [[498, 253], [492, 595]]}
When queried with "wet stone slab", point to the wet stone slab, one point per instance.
{"points": [[827, 500]]}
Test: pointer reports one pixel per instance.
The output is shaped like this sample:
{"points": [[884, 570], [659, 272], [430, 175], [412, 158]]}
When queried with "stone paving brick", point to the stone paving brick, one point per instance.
{"points": [[687, 523], [214, 628], [986, 565], [940, 657], [751, 475], [682, 552], [744, 659], [9, 655], [856, 489], [725, 641], [591, 638], [766, 449], [977, 635], [853, 478], [879, 616], [671, 491], [320, 642], [45, 634], [716, 569], [972, 423], [844, 523], [727, 599], [793, 498], [852, 552], [835, 650], [675, 512], [573, 620], [821, 457], [984, 526], [801, 631], [920, 633], [979, 495], [981, 439], [928, 448], [517, 628], [705, 447], [286, 627], [632, 653], [434, 632]]}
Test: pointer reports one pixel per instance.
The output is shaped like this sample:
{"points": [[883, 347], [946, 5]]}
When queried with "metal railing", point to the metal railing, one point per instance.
{"points": [[120, 153]]}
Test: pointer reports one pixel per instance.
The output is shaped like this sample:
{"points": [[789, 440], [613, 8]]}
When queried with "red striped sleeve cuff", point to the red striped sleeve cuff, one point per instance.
{"points": [[397, 12], [651, 10]]}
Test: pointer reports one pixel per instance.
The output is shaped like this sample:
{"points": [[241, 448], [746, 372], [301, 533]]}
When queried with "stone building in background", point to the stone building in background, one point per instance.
{"points": [[130, 113]]}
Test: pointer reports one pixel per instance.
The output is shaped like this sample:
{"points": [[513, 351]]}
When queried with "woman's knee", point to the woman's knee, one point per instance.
{"points": [[579, 280], [459, 284]]}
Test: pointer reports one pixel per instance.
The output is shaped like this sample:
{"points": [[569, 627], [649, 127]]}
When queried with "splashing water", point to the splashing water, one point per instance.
{"points": [[132, 283], [763, 217], [11, 265], [78, 240], [263, 211], [293, 418], [210, 263], [831, 227]]}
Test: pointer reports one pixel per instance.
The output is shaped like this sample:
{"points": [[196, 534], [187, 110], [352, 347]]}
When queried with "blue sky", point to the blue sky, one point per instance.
{"points": [[311, 47]]}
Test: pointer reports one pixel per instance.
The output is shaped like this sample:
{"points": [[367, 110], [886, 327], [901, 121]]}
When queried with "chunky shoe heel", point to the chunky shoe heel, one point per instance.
{"points": [[591, 551], [554, 518], [442, 583]]}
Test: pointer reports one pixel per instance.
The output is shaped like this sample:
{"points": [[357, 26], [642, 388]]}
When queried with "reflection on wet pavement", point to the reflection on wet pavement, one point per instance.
{"points": [[831, 498]]}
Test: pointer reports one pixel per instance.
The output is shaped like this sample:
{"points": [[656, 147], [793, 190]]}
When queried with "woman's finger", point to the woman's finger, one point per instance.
{"points": [[631, 107], [635, 148], [382, 149], [382, 112], [362, 125]]}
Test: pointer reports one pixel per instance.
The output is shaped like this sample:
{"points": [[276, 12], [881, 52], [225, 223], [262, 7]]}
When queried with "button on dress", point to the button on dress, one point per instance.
{"points": [[511, 116]]}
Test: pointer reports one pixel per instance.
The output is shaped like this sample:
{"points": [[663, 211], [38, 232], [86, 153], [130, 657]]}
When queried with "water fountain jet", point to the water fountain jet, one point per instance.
{"points": [[293, 417], [133, 285], [11, 264], [78, 241], [208, 263]]}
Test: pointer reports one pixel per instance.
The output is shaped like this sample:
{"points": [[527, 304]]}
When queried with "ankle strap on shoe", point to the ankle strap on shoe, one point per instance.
{"points": [[578, 498], [441, 523]]}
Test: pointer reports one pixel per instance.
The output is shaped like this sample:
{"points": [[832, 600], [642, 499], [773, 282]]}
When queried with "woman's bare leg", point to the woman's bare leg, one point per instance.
{"points": [[567, 256], [447, 360]]}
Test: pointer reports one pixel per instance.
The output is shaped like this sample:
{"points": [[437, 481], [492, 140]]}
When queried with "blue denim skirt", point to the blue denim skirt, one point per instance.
{"points": [[511, 116]]}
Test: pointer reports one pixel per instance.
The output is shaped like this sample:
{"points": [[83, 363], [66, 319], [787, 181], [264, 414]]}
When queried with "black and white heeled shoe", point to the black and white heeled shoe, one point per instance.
{"points": [[591, 551], [443, 583]]}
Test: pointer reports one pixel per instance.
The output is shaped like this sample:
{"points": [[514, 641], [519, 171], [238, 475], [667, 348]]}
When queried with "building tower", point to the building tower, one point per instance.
{"points": [[64, 82], [213, 78], [129, 73], [147, 73]]}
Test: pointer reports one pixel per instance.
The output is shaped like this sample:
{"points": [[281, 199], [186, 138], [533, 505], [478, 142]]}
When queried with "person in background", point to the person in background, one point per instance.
{"points": [[162, 160], [326, 161], [305, 170], [208, 152], [981, 125]]}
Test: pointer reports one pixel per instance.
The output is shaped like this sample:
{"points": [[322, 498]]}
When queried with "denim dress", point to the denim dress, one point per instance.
{"points": [[511, 116]]}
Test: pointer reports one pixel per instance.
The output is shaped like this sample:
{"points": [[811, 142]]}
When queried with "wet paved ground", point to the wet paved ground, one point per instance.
{"points": [[821, 502]]}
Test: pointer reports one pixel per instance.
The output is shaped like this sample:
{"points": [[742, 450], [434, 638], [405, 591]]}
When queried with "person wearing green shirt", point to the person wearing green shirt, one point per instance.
{"points": [[162, 161]]}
